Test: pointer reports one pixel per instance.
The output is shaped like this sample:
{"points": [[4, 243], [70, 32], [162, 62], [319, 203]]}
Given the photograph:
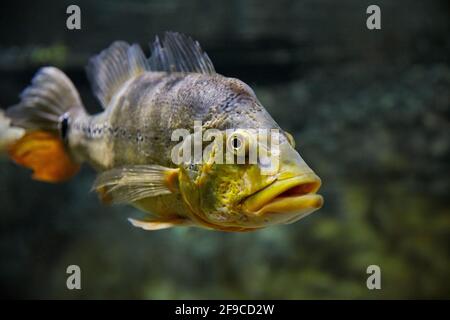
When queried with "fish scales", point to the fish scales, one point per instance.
{"points": [[143, 115]]}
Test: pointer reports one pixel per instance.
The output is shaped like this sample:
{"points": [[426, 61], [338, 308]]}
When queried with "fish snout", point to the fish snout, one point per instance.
{"points": [[290, 195]]}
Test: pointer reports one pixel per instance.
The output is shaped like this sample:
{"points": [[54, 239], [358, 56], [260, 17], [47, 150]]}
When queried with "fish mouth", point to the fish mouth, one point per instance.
{"points": [[293, 195]]}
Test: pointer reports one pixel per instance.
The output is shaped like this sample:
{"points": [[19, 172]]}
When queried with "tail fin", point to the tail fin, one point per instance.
{"points": [[43, 111]]}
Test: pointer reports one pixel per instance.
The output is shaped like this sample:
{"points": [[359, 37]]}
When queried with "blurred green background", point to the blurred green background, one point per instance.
{"points": [[369, 111]]}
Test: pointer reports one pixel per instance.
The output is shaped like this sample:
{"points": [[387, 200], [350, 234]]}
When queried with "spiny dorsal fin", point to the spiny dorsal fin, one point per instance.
{"points": [[179, 53], [114, 66], [121, 62]]}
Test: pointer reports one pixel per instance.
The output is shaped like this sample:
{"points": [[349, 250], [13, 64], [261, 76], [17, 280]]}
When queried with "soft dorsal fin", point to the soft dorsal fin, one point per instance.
{"points": [[179, 53], [109, 70], [114, 66]]}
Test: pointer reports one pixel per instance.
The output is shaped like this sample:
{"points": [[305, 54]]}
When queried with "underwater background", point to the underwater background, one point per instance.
{"points": [[369, 111]]}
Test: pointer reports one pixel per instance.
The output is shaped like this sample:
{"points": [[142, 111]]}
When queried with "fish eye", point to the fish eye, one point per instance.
{"points": [[237, 143]]}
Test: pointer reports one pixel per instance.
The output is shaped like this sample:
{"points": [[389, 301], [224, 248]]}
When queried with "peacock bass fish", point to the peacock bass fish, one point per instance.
{"points": [[130, 144]]}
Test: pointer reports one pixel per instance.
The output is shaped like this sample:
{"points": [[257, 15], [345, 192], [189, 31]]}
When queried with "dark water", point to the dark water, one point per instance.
{"points": [[369, 111]]}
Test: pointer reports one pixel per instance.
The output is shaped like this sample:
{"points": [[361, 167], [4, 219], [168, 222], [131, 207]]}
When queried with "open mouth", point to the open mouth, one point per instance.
{"points": [[296, 194]]}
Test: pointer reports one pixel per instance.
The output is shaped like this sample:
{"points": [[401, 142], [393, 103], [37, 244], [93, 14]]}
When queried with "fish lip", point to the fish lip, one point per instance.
{"points": [[291, 194]]}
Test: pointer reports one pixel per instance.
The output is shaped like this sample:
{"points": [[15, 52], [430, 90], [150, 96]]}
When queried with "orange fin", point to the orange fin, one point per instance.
{"points": [[45, 154]]}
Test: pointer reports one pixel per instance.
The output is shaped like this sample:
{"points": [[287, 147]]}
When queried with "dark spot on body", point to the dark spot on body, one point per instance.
{"points": [[64, 126]]}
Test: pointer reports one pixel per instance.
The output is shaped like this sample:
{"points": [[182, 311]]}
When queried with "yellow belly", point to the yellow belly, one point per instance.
{"points": [[164, 206]]}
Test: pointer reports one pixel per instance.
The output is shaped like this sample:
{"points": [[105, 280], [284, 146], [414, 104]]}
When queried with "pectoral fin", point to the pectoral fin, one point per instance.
{"points": [[132, 183], [160, 223]]}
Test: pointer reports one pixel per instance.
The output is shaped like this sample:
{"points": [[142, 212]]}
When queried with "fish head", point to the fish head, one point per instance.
{"points": [[248, 196]]}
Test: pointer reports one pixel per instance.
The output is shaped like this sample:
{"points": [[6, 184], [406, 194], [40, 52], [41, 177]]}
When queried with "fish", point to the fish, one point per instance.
{"points": [[130, 143]]}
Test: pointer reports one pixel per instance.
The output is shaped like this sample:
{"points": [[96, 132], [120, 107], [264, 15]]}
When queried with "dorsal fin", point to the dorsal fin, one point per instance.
{"points": [[114, 66], [179, 53]]}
